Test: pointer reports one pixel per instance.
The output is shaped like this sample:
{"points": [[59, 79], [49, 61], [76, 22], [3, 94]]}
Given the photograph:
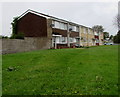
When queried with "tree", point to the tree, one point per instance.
{"points": [[16, 35], [116, 38], [106, 35], [98, 28], [14, 25], [111, 37], [117, 21]]}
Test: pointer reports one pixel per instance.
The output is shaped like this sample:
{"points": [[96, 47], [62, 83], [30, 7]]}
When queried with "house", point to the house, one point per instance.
{"points": [[60, 33]]}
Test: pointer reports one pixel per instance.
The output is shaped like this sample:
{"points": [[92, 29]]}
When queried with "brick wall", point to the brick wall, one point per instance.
{"points": [[84, 36], [32, 25]]}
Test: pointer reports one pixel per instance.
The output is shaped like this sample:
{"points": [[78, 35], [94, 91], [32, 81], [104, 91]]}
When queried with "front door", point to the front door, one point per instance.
{"points": [[53, 42]]}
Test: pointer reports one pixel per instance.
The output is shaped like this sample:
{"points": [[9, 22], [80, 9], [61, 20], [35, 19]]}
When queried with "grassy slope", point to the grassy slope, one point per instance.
{"points": [[65, 71]]}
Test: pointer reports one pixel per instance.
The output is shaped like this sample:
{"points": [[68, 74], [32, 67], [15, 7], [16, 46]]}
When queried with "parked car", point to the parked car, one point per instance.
{"points": [[108, 43], [77, 46]]}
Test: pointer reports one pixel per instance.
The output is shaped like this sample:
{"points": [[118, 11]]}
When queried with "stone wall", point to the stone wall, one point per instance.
{"points": [[0, 46], [28, 44]]}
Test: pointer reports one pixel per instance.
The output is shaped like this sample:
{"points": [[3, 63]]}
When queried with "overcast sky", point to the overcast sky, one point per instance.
{"points": [[83, 13]]}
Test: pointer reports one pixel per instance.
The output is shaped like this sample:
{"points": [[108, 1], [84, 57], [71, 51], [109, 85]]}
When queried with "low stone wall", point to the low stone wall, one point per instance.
{"points": [[0, 46], [27, 44]]}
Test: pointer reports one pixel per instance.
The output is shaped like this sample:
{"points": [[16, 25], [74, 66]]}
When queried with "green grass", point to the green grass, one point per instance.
{"points": [[91, 71]]}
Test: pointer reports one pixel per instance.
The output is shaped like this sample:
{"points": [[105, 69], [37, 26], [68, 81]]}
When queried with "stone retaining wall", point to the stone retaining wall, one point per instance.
{"points": [[23, 45]]}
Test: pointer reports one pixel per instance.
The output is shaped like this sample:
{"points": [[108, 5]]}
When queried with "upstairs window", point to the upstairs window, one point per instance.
{"points": [[74, 28], [57, 24], [63, 26], [77, 29], [89, 31], [82, 30], [85, 30], [92, 32]]}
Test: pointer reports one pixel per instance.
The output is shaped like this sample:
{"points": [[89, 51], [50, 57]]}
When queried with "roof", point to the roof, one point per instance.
{"points": [[51, 17]]}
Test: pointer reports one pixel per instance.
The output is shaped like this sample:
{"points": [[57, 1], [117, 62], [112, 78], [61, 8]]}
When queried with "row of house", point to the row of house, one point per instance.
{"points": [[60, 33]]}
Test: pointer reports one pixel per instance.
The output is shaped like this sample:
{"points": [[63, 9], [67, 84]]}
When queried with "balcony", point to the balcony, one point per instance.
{"points": [[96, 36]]}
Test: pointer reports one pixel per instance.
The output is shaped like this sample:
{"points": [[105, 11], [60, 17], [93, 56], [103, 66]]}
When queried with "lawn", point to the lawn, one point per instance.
{"points": [[89, 71]]}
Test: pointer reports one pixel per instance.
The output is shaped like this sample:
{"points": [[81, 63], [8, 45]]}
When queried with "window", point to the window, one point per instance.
{"points": [[85, 30], [53, 22], [63, 39], [57, 24], [57, 40], [77, 29], [60, 39], [82, 29], [74, 28], [63, 26], [84, 39], [96, 33], [70, 26], [89, 31], [92, 32], [71, 40], [74, 39]]}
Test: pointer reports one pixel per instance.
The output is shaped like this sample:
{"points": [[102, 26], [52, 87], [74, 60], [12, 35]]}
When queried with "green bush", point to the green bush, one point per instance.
{"points": [[3, 37], [17, 36]]}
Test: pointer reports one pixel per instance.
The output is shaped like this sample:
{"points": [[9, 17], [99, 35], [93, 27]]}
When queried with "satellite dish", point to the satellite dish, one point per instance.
{"points": [[70, 29], [52, 25]]}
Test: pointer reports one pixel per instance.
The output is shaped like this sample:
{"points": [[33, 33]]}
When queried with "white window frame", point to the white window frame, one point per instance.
{"points": [[84, 30], [57, 24]]}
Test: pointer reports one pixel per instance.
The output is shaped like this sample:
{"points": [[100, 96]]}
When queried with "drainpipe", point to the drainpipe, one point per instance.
{"points": [[68, 36]]}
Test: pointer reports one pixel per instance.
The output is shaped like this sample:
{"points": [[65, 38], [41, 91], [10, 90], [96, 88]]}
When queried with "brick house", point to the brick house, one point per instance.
{"points": [[59, 32]]}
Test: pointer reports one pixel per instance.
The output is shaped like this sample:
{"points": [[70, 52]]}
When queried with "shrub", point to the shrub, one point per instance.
{"points": [[17, 36], [3, 37]]}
